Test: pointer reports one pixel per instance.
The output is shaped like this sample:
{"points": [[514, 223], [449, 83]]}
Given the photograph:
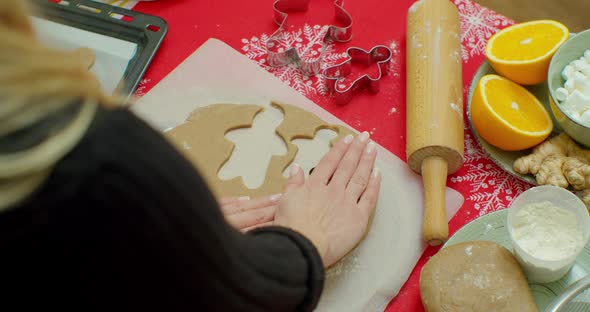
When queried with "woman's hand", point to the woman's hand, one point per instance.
{"points": [[246, 214], [332, 208]]}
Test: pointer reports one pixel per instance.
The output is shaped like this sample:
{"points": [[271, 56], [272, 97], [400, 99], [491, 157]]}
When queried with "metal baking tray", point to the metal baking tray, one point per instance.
{"points": [[146, 31]]}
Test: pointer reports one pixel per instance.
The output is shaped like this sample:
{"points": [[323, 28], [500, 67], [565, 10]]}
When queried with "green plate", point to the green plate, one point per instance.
{"points": [[505, 159], [492, 227]]}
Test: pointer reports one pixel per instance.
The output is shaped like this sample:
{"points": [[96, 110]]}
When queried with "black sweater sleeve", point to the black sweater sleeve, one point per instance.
{"points": [[139, 229]]}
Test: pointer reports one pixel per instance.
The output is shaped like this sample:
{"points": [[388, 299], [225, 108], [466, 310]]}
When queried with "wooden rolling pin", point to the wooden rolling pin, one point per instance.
{"points": [[434, 106]]}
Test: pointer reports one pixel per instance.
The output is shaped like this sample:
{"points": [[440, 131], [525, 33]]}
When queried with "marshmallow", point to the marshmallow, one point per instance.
{"points": [[578, 65], [585, 69], [574, 97], [585, 118], [578, 76], [567, 72], [578, 102], [569, 85], [581, 83], [561, 94], [573, 115]]}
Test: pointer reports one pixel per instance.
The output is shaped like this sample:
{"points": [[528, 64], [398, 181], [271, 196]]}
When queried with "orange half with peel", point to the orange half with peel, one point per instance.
{"points": [[522, 52], [507, 115]]}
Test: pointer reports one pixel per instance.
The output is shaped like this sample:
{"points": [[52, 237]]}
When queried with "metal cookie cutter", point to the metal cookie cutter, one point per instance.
{"points": [[279, 57], [335, 74]]}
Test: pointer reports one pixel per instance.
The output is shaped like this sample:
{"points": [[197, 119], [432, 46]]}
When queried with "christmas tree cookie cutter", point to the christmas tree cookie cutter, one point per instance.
{"points": [[278, 56], [334, 75]]}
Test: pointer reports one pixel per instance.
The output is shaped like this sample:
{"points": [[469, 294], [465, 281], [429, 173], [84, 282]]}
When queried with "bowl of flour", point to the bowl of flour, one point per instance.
{"points": [[549, 226]]}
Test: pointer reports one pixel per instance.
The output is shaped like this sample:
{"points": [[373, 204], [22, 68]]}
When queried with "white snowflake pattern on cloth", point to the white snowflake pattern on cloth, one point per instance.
{"points": [[141, 87], [309, 41], [491, 188], [478, 24]]}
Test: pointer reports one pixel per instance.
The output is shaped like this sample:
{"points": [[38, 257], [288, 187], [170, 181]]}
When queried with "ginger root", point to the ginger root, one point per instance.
{"points": [[550, 171], [577, 173], [561, 162], [556, 146], [585, 195]]}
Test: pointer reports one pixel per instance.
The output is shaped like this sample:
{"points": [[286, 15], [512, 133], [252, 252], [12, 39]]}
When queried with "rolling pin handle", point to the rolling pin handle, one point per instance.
{"points": [[434, 176]]}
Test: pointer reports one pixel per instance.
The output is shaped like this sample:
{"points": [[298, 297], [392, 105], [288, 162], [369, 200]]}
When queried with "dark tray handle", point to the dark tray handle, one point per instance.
{"points": [[146, 31]]}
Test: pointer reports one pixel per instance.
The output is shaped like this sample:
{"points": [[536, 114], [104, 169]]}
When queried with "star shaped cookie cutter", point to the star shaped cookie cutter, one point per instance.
{"points": [[277, 57], [335, 74]]}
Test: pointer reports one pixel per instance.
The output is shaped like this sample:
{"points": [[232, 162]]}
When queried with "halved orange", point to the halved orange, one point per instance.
{"points": [[522, 52], [507, 115]]}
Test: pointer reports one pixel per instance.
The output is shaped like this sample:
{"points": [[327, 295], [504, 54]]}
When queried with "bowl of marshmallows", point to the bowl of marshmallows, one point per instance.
{"points": [[569, 87]]}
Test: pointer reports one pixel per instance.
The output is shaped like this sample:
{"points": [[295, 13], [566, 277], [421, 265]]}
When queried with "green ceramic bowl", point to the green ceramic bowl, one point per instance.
{"points": [[571, 50]]}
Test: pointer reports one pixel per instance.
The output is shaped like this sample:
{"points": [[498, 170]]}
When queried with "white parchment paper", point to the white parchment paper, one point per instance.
{"points": [[373, 273], [112, 54]]}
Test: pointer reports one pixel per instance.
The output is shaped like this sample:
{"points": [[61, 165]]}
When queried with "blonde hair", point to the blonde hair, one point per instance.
{"points": [[36, 83]]}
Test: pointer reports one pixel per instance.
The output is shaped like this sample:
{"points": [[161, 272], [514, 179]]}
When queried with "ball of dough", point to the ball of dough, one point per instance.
{"points": [[475, 276]]}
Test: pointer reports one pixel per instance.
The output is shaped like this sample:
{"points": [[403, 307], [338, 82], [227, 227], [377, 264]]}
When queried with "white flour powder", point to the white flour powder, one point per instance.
{"points": [[546, 231]]}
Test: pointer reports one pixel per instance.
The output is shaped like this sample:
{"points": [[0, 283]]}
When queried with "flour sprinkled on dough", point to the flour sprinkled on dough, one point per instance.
{"points": [[475, 276]]}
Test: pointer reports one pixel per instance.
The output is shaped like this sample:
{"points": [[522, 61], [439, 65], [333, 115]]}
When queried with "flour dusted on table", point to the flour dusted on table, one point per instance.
{"points": [[547, 232]]}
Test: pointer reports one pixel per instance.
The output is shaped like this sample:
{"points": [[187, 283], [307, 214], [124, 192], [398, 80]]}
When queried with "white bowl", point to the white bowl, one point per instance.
{"points": [[540, 270], [571, 50]]}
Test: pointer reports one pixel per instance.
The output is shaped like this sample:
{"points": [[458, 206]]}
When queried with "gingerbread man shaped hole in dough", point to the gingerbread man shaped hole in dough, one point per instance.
{"points": [[310, 151], [254, 148]]}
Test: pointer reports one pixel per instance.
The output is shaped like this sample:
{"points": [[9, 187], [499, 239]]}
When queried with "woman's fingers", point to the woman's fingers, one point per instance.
{"points": [[325, 168], [252, 217], [350, 161], [230, 200], [257, 226], [244, 204], [296, 178], [360, 179], [243, 212], [368, 200]]}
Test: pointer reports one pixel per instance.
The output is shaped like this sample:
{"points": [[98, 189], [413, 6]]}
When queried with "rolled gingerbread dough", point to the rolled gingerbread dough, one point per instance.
{"points": [[475, 276], [201, 138]]}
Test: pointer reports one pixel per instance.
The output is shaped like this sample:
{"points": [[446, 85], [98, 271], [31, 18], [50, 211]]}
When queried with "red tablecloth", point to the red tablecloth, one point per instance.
{"points": [[246, 25]]}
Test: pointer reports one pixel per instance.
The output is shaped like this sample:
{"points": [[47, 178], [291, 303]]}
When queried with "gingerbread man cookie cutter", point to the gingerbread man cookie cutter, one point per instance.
{"points": [[381, 55], [278, 56]]}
